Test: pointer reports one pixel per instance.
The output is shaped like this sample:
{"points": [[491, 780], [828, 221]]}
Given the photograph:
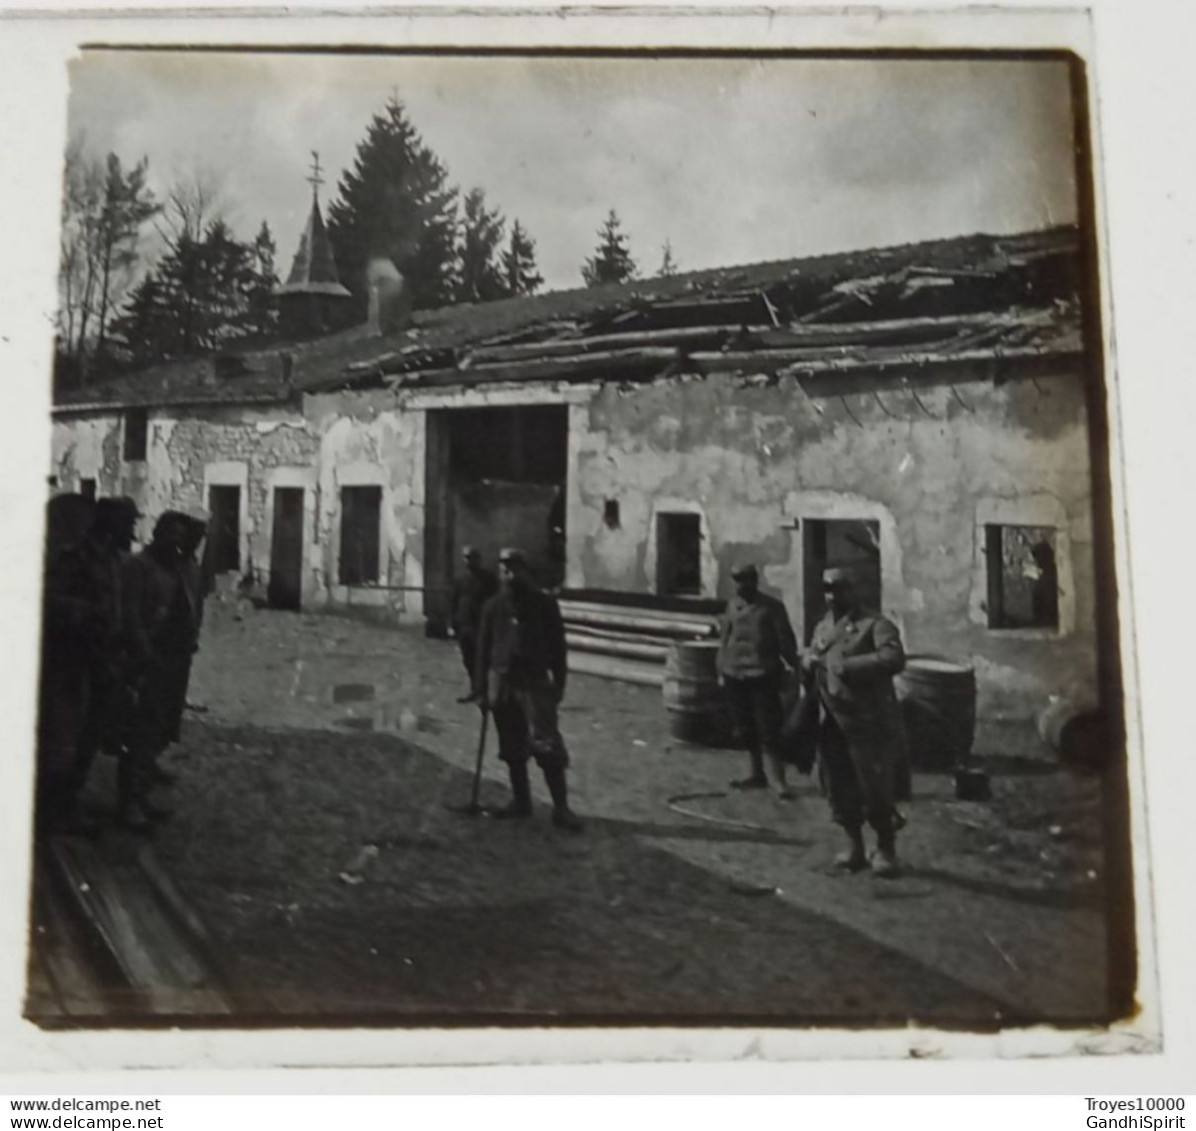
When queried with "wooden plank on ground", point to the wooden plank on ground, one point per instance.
{"points": [[161, 965]]}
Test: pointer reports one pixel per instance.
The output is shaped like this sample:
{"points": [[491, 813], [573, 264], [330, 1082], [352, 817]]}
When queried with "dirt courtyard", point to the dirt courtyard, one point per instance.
{"points": [[312, 835]]}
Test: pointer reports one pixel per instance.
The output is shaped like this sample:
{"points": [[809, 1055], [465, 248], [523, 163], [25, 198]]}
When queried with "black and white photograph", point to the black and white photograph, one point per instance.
{"points": [[596, 538]]}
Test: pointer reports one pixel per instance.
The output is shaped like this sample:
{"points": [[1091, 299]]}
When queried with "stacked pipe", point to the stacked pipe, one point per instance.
{"points": [[628, 644]]}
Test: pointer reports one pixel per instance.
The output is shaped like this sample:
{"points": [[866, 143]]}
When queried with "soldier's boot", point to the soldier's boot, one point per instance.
{"points": [[129, 812], [785, 791], [133, 809], [757, 779], [884, 863], [562, 816], [855, 859], [520, 804]]}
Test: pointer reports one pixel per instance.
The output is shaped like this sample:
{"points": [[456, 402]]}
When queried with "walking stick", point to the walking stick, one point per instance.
{"points": [[474, 808]]}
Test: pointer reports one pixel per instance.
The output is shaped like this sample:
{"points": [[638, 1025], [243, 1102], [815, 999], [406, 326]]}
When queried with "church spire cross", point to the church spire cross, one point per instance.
{"points": [[315, 180]]}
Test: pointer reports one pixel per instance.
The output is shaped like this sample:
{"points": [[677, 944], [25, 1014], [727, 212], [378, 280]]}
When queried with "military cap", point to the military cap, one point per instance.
{"points": [[512, 556], [117, 506], [837, 575], [471, 552], [113, 513], [166, 518], [742, 570]]}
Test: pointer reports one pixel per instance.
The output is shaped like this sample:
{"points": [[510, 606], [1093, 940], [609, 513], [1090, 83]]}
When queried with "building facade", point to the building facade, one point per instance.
{"points": [[641, 445]]}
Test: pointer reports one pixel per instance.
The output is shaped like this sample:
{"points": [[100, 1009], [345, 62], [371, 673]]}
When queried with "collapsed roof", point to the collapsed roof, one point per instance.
{"points": [[971, 298]]}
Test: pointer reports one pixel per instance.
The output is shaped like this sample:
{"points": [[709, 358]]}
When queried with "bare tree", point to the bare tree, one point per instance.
{"points": [[195, 199], [105, 207]]}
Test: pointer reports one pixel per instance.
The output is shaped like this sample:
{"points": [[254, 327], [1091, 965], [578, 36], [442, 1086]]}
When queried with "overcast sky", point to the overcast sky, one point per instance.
{"points": [[733, 161]]}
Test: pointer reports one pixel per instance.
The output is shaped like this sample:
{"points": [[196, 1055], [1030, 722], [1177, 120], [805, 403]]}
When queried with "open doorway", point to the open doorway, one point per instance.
{"points": [[224, 532], [844, 543], [496, 477], [285, 590]]}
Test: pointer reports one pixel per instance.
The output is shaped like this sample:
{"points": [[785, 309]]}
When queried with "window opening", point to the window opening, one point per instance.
{"points": [[136, 434], [361, 514], [1023, 577], [678, 554]]}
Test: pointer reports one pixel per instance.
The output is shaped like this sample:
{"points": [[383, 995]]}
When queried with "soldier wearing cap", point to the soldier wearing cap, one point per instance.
{"points": [[853, 657], [83, 658], [756, 642], [191, 571], [162, 629], [520, 676], [472, 589]]}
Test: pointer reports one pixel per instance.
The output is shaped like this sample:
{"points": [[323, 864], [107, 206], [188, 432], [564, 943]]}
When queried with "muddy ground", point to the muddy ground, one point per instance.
{"points": [[312, 834]]}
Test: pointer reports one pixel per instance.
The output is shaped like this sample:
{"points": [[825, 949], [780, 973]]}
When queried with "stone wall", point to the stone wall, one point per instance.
{"points": [[930, 465]]}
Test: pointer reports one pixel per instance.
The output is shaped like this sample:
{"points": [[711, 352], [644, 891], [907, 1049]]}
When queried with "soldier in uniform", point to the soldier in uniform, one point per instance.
{"points": [[755, 644], [161, 627], [520, 676], [191, 571], [471, 591], [853, 657], [83, 658]]}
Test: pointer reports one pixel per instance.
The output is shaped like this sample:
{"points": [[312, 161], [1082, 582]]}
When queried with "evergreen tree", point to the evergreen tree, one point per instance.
{"points": [[263, 308], [481, 277], [520, 276], [668, 265], [396, 202], [202, 295], [611, 261]]}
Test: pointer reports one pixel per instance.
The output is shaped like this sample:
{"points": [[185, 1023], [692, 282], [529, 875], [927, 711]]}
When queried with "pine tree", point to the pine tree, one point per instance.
{"points": [[396, 202], [263, 309], [611, 261], [202, 295], [520, 276], [481, 278], [668, 265]]}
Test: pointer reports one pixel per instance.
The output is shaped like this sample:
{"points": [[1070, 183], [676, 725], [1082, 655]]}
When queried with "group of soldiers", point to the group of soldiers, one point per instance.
{"points": [[512, 642], [120, 629]]}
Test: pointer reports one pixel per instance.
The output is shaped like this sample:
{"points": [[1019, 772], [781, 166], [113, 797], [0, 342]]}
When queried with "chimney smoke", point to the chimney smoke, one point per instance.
{"points": [[389, 299]]}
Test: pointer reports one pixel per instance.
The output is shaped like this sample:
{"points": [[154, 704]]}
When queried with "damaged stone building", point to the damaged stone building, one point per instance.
{"points": [[919, 412]]}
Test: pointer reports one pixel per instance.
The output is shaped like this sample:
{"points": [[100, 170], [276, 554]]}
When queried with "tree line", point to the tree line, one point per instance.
{"points": [[121, 306]]}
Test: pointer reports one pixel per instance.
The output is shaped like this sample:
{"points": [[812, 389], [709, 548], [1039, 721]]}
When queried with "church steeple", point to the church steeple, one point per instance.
{"points": [[312, 300]]}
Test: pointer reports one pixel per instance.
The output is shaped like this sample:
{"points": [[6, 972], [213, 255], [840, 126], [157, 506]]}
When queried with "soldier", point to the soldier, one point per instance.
{"points": [[471, 591], [853, 657], [161, 627], [83, 658], [756, 642], [520, 676], [191, 571]]}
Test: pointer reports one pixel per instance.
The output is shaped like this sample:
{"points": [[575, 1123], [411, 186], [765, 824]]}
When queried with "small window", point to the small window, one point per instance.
{"points": [[678, 554], [1023, 577], [361, 514], [87, 488], [136, 434]]}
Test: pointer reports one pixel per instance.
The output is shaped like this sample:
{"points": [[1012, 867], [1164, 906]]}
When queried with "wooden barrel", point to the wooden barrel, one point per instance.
{"points": [[1075, 731], [938, 707], [692, 697]]}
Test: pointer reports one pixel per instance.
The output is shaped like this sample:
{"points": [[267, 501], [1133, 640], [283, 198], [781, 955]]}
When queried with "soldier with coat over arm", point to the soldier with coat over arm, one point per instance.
{"points": [[853, 657]]}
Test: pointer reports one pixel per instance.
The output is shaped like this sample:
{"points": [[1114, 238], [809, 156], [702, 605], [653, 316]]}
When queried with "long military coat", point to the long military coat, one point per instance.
{"points": [[860, 697]]}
